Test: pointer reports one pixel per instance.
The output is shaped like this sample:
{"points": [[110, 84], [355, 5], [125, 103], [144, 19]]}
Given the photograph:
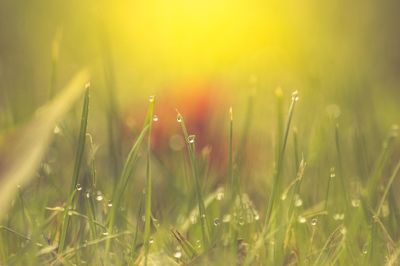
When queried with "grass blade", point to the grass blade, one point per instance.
{"points": [[127, 171], [148, 187], [22, 149], [191, 146], [78, 162]]}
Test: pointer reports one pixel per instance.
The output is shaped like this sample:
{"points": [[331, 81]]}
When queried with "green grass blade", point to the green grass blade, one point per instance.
{"points": [[148, 217], [127, 171], [78, 162], [279, 166], [191, 146], [22, 149]]}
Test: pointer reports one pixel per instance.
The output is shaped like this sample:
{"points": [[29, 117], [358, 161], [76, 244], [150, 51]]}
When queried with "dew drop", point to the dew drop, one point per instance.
{"points": [[155, 118], [151, 98], [256, 216], [179, 118], [216, 222], [332, 174], [198, 244], [364, 250], [338, 216], [343, 230], [109, 204], [241, 221], [314, 221], [178, 255], [57, 130], [191, 139], [355, 203], [99, 196], [301, 219], [298, 201], [105, 233], [87, 194], [151, 240], [78, 187]]}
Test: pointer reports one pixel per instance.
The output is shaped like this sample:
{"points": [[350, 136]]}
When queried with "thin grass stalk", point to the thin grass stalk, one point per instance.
{"points": [[148, 217], [78, 162], [127, 171], [279, 166], [191, 146]]}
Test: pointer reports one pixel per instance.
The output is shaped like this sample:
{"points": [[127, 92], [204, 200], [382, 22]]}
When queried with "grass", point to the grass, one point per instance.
{"points": [[308, 211]]}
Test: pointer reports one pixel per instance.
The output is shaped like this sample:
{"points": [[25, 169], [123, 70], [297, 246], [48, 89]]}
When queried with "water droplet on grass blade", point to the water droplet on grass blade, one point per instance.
{"points": [[301, 219], [151, 98], [298, 201], [78, 187], [191, 139], [241, 221], [57, 130], [338, 216], [314, 221], [155, 118], [109, 204], [355, 203], [216, 222], [332, 173], [99, 196], [179, 118], [178, 255]]}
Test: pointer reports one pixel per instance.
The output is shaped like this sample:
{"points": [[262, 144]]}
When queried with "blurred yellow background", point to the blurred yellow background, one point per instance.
{"points": [[340, 47]]}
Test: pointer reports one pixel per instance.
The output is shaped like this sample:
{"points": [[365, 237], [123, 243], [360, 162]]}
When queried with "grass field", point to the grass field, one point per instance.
{"points": [[274, 144]]}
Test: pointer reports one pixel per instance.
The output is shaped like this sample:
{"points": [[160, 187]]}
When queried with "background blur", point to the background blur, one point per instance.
{"points": [[344, 53]]}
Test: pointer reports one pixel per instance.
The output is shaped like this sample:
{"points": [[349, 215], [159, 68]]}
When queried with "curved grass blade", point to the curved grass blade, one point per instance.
{"points": [[147, 214], [127, 171], [78, 162]]}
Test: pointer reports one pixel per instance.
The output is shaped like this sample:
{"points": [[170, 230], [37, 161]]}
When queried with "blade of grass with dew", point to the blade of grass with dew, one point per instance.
{"points": [[147, 223], [279, 166], [75, 176], [276, 177], [190, 143], [127, 171], [22, 149], [187, 247]]}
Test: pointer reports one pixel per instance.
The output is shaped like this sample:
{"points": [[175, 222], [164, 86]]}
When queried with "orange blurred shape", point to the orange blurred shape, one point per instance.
{"points": [[204, 111]]}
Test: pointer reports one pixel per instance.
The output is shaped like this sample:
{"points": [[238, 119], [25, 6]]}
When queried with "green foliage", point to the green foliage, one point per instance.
{"points": [[304, 210]]}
